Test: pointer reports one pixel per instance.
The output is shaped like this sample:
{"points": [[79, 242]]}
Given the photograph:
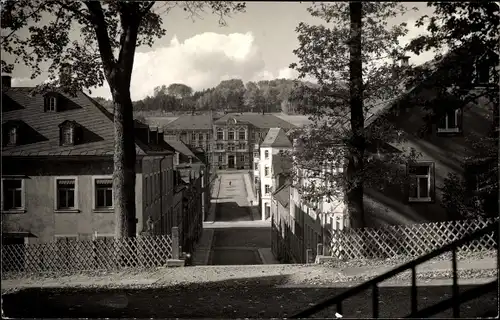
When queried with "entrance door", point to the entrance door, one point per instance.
{"points": [[230, 162]]}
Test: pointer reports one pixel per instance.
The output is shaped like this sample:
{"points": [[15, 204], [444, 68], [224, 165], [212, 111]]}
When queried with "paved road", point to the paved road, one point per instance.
{"points": [[231, 244], [253, 298]]}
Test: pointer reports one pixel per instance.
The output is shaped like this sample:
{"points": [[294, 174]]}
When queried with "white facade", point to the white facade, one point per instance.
{"points": [[266, 173]]}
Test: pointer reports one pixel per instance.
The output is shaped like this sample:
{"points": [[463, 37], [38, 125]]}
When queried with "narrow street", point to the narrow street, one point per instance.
{"points": [[237, 237]]}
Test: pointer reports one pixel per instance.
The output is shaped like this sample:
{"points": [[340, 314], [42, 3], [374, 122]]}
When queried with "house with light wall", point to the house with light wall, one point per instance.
{"points": [[445, 147], [57, 169], [275, 141]]}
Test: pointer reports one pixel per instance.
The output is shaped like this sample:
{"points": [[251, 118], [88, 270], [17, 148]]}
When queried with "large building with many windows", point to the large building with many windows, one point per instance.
{"points": [[57, 159], [237, 138]]}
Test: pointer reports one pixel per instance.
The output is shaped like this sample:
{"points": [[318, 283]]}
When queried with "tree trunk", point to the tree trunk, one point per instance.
{"points": [[356, 146], [124, 163]]}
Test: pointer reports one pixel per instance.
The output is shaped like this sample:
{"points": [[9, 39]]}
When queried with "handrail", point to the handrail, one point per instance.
{"points": [[412, 264], [464, 297]]}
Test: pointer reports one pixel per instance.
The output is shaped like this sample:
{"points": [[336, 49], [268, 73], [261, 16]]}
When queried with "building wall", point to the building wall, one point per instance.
{"points": [[242, 155], [446, 152], [157, 179], [40, 217], [265, 179]]}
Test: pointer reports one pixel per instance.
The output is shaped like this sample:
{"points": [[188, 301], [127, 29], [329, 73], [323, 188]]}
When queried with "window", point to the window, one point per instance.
{"points": [[255, 154], [242, 158], [450, 121], [67, 137], [66, 195], [70, 132], [221, 159], [220, 134], [485, 71], [230, 135], [13, 195], [241, 134], [208, 147], [266, 154], [230, 146], [51, 103], [267, 189], [193, 136], [266, 171], [242, 146], [103, 193], [220, 146], [421, 177]]}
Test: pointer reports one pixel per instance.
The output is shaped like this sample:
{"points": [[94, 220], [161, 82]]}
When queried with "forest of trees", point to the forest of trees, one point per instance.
{"points": [[229, 95]]}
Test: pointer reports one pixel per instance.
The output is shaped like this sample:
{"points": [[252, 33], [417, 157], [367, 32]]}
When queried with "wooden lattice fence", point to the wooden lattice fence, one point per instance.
{"points": [[406, 240], [81, 255]]}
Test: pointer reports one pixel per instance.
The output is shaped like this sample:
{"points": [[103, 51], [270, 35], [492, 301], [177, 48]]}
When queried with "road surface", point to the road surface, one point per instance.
{"points": [[255, 298], [234, 244]]}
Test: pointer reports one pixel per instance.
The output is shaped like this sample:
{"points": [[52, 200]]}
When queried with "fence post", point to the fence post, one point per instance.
{"points": [[319, 250], [308, 256], [175, 243]]}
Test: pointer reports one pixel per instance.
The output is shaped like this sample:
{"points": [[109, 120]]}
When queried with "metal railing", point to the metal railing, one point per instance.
{"points": [[454, 302]]}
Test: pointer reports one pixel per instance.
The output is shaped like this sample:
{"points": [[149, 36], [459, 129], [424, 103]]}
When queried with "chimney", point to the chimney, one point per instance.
{"points": [[6, 81], [405, 61]]}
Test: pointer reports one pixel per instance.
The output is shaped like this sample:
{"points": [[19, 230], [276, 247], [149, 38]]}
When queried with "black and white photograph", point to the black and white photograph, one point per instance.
{"points": [[268, 159]]}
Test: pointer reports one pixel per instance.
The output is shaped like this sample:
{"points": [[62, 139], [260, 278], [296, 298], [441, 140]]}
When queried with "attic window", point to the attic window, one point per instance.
{"points": [[12, 136], [51, 103], [70, 133], [485, 71]]}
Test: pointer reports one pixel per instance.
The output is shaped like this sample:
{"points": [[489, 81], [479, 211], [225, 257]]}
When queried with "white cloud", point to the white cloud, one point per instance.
{"points": [[200, 62]]}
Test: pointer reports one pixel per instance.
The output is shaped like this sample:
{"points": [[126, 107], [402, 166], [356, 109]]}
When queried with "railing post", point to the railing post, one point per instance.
{"points": [[175, 243], [413, 291], [455, 294]]}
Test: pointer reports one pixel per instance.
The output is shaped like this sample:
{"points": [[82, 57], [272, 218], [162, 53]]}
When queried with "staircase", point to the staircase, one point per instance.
{"points": [[454, 302]]}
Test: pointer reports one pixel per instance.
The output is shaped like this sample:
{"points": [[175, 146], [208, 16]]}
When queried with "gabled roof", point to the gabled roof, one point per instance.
{"points": [[96, 121], [181, 147], [282, 195], [190, 122], [276, 138], [262, 121]]}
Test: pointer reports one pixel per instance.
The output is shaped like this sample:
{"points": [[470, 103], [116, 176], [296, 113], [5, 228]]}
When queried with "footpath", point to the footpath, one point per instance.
{"points": [[312, 275]]}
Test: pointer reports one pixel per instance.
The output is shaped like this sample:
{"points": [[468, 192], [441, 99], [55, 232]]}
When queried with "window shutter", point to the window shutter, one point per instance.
{"points": [[433, 181]]}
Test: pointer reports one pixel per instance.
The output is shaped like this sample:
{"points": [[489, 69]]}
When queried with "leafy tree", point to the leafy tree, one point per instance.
{"points": [[352, 62], [471, 30], [231, 91], [110, 32], [179, 90], [253, 97]]}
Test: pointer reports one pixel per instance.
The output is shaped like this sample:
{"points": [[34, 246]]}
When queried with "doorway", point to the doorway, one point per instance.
{"points": [[230, 161]]}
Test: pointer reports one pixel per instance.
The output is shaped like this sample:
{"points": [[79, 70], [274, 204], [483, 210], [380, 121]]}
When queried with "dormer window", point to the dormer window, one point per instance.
{"points": [[11, 133], [50, 101], [485, 70], [70, 133], [12, 137]]}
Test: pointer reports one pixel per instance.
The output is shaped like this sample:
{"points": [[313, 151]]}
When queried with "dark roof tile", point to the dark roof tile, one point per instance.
{"points": [[29, 108]]}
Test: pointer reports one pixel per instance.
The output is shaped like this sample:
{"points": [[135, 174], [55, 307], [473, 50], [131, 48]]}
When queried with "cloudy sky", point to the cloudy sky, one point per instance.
{"points": [[255, 45]]}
